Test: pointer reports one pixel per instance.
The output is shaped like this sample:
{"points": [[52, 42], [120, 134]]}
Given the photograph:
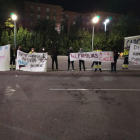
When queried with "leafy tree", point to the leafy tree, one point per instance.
{"points": [[4, 38]]}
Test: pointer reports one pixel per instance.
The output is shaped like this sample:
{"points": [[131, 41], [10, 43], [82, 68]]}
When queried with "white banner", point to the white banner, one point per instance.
{"points": [[134, 54], [93, 56], [31, 62], [5, 58]]}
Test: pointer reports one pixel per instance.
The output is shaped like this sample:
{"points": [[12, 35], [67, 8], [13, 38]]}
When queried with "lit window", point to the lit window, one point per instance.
{"points": [[38, 16], [47, 17], [38, 8], [48, 9]]}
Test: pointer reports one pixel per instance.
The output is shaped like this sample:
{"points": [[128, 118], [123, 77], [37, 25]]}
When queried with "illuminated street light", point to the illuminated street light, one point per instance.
{"points": [[105, 23], [14, 17], [94, 20]]}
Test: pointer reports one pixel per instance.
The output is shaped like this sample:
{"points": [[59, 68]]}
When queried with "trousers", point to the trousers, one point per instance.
{"points": [[83, 62], [72, 62], [56, 63]]}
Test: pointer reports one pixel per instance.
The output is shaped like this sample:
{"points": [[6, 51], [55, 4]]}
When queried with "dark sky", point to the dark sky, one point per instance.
{"points": [[115, 6]]}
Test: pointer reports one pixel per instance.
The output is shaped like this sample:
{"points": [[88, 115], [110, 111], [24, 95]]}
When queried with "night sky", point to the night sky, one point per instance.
{"points": [[115, 6]]}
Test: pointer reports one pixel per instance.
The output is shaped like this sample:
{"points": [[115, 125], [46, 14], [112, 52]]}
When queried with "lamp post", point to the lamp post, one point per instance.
{"points": [[94, 20], [105, 23], [14, 17]]}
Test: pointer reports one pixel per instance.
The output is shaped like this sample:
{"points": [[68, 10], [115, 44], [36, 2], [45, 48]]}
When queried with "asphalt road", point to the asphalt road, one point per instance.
{"points": [[66, 105]]}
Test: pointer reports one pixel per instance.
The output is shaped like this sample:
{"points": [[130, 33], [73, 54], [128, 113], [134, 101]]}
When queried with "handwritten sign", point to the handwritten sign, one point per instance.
{"points": [[93, 56], [5, 58], [31, 62], [134, 54]]}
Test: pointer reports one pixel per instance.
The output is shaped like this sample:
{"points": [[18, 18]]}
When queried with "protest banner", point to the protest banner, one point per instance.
{"points": [[134, 54], [36, 62], [93, 56], [5, 58]]}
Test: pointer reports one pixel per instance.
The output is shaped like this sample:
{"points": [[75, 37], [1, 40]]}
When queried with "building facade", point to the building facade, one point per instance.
{"points": [[34, 11]]}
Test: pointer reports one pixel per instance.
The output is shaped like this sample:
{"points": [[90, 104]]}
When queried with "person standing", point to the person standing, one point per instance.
{"points": [[54, 58], [125, 54], [113, 64], [98, 62], [42, 50], [81, 61], [20, 48], [12, 58], [72, 62], [32, 51]]}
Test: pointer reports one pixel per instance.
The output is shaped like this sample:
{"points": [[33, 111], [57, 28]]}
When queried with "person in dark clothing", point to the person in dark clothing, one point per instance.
{"points": [[81, 61], [54, 58], [12, 58], [72, 62], [113, 64], [42, 50]]}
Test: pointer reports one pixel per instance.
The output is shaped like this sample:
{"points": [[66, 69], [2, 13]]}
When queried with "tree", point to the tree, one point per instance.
{"points": [[4, 38]]}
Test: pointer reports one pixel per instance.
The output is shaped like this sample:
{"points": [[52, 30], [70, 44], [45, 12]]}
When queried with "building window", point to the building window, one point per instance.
{"points": [[75, 16], [47, 17], [38, 16], [54, 18], [48, 9], [38, 8], [31, 7]]}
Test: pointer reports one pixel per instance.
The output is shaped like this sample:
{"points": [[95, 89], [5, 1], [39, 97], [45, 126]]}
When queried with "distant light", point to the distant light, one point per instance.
{"points": [[98, 16], [12, 14], [106, 21], [14, 17], [95, 19], [110, 18]]}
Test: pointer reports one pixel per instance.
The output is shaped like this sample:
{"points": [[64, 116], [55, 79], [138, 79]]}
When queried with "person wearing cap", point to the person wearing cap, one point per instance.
{"points": [[72, 62], [32, 51], [81, 61]]}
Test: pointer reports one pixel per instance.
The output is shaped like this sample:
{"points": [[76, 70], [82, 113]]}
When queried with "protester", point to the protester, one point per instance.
{"points": [[98, 62], [12, 58], [42, 50], [125, 54], [113, 64], [81, 61], [54, 55], [93, 61], [20, 48], [72, 62], [32, 51]]}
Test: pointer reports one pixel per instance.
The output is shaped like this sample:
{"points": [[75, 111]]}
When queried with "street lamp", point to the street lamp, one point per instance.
{"points": [[105, 23], [94, 20], [14, 17]]}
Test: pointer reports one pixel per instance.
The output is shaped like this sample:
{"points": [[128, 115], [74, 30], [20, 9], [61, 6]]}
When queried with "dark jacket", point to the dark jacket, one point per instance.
{"points": [[70, 51], [12, 53], [42, 51], [54, 54], [115, 56]]}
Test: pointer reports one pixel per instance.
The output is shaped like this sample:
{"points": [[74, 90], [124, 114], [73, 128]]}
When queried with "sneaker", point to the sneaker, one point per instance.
{"points": [[126, 68], [100, 70], [13, 68], [123, 68], [72, 70], [95, 70]]}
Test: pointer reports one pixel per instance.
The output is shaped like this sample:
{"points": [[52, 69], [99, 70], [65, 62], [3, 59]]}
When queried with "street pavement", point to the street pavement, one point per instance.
{"points": [[70, 105]]}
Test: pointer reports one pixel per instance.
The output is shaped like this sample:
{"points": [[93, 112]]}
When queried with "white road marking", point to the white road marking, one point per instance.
{"points": [[99, 89]]}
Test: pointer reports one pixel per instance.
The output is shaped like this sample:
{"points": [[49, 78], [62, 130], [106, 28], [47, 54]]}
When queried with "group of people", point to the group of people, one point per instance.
{"points": [[54, 55]]}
